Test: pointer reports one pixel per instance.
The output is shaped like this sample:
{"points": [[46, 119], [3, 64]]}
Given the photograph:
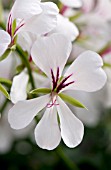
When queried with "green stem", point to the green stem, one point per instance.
{"points": [[108, 45], [6, 82], [23, 56], [69, 163]]}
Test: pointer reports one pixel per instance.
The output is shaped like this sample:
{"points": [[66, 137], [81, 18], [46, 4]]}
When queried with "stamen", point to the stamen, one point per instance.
{"points": [[53, 79], [65, 85], [18, 28], [57, 76], [62, 85], [9, 29]]}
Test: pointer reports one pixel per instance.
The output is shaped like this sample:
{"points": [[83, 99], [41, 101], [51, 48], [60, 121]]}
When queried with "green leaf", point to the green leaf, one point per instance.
{"points": [[6, 82], [107, 65], [5, 55], [71, 101], [4, 91], [42, 90]]}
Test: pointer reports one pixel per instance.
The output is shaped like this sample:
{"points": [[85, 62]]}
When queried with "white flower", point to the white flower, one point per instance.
{"points": [[101, 8], [50, 54], [72, 3], [32, 16], [65, 27]]}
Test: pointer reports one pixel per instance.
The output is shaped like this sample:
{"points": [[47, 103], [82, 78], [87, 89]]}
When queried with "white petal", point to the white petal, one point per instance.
{"points": [[45, 22], [47, 132], [103, 9], [51, 52], [93, 101], [88, 5], [5, 40], [72, 3], [87, 73], [25, 40], [19, 85], [64, 26], [72, 129], [24, 111], [25, 9]]}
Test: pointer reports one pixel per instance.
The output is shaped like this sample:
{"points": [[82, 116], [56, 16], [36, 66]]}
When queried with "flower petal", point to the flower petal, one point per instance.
{"points": [[103, 9], [25, 9], [65, 27], [72, 129], [5, 40], [50, 53], [24, 111], [72, 3], [45, 22], [93, 101], [87, 73], [19, 85], [47, 132], [25, 40]]}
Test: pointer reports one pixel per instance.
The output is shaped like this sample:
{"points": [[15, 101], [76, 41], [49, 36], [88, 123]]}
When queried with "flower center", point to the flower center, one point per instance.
{"points": [[58, 83]]}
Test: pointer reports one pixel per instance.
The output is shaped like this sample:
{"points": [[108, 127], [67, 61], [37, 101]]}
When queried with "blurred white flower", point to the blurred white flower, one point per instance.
{"points": [[101, 8], [32, 16]]}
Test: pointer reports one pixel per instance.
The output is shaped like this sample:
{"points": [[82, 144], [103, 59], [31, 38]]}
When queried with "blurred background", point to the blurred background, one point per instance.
{"points": [[18, 150]]}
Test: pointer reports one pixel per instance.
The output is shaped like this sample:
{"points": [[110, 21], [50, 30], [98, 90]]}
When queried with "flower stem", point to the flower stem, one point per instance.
{"points": [[23, 57], [69, 163], [102, 51]]}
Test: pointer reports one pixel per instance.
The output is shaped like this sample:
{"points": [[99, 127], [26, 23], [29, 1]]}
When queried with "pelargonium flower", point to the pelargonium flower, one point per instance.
{"points": [[50, 54], [65, 27], [32, 16], [100, 8]]}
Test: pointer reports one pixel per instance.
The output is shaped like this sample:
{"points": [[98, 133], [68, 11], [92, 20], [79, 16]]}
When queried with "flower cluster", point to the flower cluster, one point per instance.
{"points": [[40, 46]]}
